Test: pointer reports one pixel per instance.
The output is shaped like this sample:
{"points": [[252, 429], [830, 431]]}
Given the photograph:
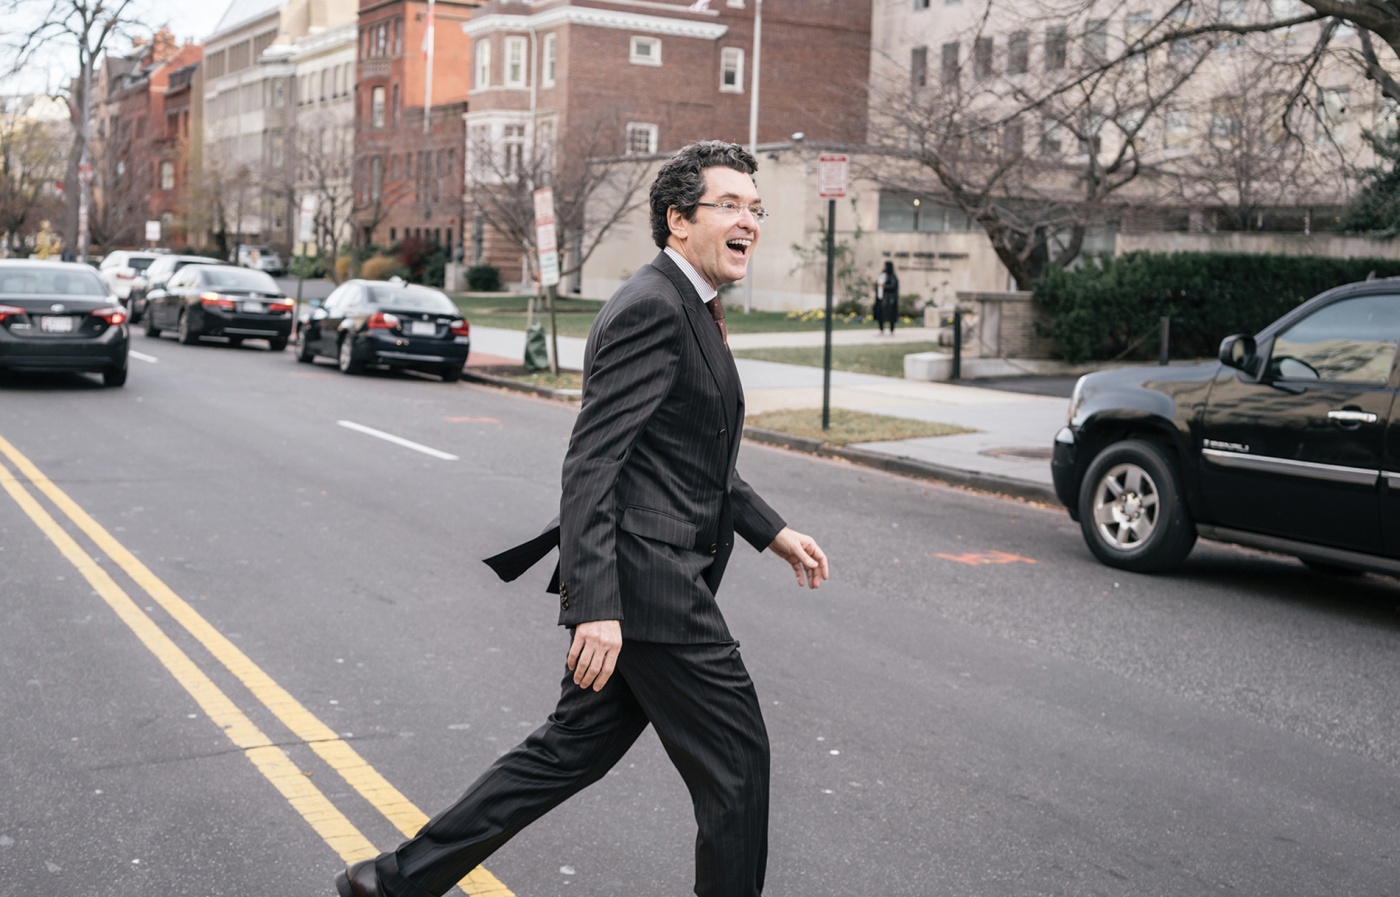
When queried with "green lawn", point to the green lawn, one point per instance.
{"points": [[849, 427], [885, 359], [575, 316]]}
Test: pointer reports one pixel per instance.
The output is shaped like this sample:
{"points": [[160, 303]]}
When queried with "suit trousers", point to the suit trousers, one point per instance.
{"points": [[705, 710]]}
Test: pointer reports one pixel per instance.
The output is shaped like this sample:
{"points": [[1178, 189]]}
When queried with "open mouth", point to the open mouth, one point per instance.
{"points": [[740, 245]]}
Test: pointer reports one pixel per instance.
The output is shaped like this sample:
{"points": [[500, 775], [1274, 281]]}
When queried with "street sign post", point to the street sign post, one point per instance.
{"points": [[153, 231], [547, 249], [832, 176]]}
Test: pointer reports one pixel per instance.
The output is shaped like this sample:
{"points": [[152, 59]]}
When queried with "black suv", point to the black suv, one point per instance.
{"points": [[1284, 443]]}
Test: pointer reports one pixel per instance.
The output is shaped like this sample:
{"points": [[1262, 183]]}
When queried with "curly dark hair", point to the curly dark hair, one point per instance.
{"points": [[681, 181]]}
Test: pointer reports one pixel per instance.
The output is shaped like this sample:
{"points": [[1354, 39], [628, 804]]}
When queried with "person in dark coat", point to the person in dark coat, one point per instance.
{"points": [[650, 509], [887, 301]]}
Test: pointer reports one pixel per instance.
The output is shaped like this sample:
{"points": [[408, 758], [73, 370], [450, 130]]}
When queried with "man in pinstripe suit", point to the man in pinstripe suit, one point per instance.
{"points": [[651, 502]]}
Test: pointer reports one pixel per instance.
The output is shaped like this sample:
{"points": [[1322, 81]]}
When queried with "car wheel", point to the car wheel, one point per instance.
{"points": [[451, 373], [114, 376], [1130, 509], [277, 343], [304, 353], [151, 328], [184, 333], [346, 356]]}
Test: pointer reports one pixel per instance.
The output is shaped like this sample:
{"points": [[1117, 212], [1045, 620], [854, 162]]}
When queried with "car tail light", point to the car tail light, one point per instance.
{"points": [[9, 311], [112, 315], [216, 301], [280, 305], [126, 275], [461, 328], [382, 321]]}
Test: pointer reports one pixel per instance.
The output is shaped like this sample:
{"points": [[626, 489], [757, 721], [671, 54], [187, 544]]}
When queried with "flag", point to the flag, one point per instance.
{"points": [[699, 6], [428, 28]]}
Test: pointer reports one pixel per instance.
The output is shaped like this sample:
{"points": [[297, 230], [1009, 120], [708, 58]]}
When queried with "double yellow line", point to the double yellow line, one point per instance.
{"points": [[269, 759]]}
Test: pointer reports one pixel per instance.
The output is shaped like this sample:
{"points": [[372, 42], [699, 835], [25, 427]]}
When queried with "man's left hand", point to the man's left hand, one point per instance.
{"points": [[804, 554]]}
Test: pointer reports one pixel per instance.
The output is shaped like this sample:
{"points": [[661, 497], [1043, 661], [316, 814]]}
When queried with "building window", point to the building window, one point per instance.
{"points": [[395, 104], [515, 62], [398, 37], [1056, 47], [376, 178], [1332, 103], [918, 68], [1013, 140], [1018, 53], [325, 85], [376, 107], [646, 51], [547, 76], [483, 64], [982, 50], [167, 175], [641, 139], [731, 70], [1052, 142], [920, 4], [1096, 42], [513, 143], [1178, 130], [950, 64], [279, 93]]}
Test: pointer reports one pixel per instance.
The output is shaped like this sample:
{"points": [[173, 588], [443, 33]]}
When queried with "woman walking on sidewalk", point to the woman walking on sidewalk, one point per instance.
{"points": [[887, 298]]}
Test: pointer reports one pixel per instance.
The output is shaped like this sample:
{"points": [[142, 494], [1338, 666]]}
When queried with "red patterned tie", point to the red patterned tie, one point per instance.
{"points": [[717, 312]]}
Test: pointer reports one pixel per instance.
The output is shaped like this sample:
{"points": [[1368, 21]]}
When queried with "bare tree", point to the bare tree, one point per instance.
{"points": [[86, 29], [594, 188], [323, 151], [31, 167]]}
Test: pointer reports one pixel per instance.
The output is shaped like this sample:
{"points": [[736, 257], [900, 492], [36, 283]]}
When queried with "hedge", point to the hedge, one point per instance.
{"points": [[1111, 308]]}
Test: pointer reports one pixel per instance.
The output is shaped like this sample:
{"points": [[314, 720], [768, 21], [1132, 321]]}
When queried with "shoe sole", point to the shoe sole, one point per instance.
{"points": [[342, 885]]}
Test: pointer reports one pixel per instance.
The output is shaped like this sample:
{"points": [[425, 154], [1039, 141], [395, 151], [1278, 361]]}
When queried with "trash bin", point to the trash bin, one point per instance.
{"points": [[536, 353]]}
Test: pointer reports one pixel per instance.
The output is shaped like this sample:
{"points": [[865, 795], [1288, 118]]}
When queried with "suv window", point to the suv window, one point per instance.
{"points": [[1352, 340]]}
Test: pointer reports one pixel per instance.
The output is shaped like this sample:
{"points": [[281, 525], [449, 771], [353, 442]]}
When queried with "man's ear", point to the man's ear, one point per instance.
{"points": [[679, 224]]}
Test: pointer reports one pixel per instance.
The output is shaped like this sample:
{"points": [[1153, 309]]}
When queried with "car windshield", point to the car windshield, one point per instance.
{"points": [[39, 280], [138, 263], [240, 279], [411, 297]]}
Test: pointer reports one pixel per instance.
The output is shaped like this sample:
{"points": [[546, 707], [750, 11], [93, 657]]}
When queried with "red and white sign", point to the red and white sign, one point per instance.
{"points": [[546, 241], [832, 175]]}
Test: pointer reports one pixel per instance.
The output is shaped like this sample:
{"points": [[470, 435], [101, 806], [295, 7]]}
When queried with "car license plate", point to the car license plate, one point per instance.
{"points": [[56, 324], [254, 306], [422, 328]]}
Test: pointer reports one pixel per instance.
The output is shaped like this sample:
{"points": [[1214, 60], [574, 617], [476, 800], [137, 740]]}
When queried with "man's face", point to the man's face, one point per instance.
{"points": [[718, 243]]}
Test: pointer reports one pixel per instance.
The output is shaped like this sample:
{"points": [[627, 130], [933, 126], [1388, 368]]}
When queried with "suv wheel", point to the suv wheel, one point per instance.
{"points": [[1131, 511]]}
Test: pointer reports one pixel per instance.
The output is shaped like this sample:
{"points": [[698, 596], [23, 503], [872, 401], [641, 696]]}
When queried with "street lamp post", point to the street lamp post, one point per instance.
{"points": [[753, 127]]}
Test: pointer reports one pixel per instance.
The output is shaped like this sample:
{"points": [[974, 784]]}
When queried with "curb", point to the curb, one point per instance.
{"points": [[1025, 490]]}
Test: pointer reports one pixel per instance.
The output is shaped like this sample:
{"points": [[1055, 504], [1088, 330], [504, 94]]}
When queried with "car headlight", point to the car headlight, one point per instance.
{"points": [[1075, 399]]}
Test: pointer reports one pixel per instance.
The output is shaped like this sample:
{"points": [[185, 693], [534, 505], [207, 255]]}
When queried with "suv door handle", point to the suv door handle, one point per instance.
{"points": [[1352, 417]]}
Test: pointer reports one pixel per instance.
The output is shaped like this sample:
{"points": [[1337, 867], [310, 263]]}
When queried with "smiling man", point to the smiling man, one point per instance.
{"points": [[651, 502]]}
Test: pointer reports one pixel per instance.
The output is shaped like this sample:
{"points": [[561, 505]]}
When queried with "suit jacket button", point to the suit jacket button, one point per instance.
{"points": [[714, 548], [723, 432], [563, 603]]}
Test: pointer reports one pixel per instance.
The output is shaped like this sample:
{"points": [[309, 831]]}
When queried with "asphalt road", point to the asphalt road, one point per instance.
{"points": [[268, 624]]}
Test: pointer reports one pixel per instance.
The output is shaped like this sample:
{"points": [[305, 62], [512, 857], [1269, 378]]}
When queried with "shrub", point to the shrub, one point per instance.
{"points": [[483, 278], [1111, 308], [306, 266], [342, 268], [383, 267]]}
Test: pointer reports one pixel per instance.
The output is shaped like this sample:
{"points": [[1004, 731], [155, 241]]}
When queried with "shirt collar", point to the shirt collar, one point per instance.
{"points": [[706, 291]]}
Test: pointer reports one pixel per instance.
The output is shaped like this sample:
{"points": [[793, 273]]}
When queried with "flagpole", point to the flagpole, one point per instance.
{"points": [[753, 129], [428, 80]]}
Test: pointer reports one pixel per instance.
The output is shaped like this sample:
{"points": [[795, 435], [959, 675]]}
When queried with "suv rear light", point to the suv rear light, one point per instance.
{"points": [[461, 328], [112, 315], [216, 301], [382, 321], [9, 311]]}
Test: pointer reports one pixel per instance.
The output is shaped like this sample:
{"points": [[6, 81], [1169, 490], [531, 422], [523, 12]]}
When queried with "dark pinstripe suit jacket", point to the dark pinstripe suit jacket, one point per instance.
{"points": [[651, 499]]}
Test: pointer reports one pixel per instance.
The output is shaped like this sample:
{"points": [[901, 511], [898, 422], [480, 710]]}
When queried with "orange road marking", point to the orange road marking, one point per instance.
{"points": [[980, 559]]}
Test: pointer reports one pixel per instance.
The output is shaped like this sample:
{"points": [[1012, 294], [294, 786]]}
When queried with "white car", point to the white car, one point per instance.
{"points": [[259, 258], [120, 270]]}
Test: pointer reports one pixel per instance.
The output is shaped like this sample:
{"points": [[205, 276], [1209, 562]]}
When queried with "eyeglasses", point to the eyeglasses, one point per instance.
{"points": [[734, 209]]}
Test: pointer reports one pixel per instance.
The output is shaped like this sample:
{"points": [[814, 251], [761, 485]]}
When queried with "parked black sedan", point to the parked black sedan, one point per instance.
{"points": [[220, 300], [156, 275], [1288, 442], [59, 316], [389, 324]]}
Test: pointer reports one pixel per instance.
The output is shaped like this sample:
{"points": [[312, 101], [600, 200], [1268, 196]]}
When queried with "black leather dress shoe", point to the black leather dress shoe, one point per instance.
{"points": [[360, 880]]}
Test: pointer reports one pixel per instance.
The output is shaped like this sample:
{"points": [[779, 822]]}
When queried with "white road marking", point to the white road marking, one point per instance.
{"points": [[142, 356], [397, 440]]}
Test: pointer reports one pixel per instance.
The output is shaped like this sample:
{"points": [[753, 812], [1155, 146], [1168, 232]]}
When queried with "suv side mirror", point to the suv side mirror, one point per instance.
{"points": [[1239, 352]]}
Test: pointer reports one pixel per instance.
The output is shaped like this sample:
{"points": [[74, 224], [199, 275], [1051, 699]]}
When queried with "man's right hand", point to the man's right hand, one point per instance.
{"points": [[593, 655]]}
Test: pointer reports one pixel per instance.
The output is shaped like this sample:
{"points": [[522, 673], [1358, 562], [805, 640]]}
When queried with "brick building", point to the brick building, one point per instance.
{"points": [[408, 181], [609, 78], [177, 152]]}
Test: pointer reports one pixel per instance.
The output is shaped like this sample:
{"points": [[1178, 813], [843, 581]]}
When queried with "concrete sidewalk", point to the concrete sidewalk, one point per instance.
{"points": [[1009, 453]]}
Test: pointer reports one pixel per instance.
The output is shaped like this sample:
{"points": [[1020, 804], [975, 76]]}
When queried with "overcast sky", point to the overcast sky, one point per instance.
{"points": [[188, 19]]}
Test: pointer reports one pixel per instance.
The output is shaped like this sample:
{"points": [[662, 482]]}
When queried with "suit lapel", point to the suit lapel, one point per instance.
{"points": [[702, 326]]}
